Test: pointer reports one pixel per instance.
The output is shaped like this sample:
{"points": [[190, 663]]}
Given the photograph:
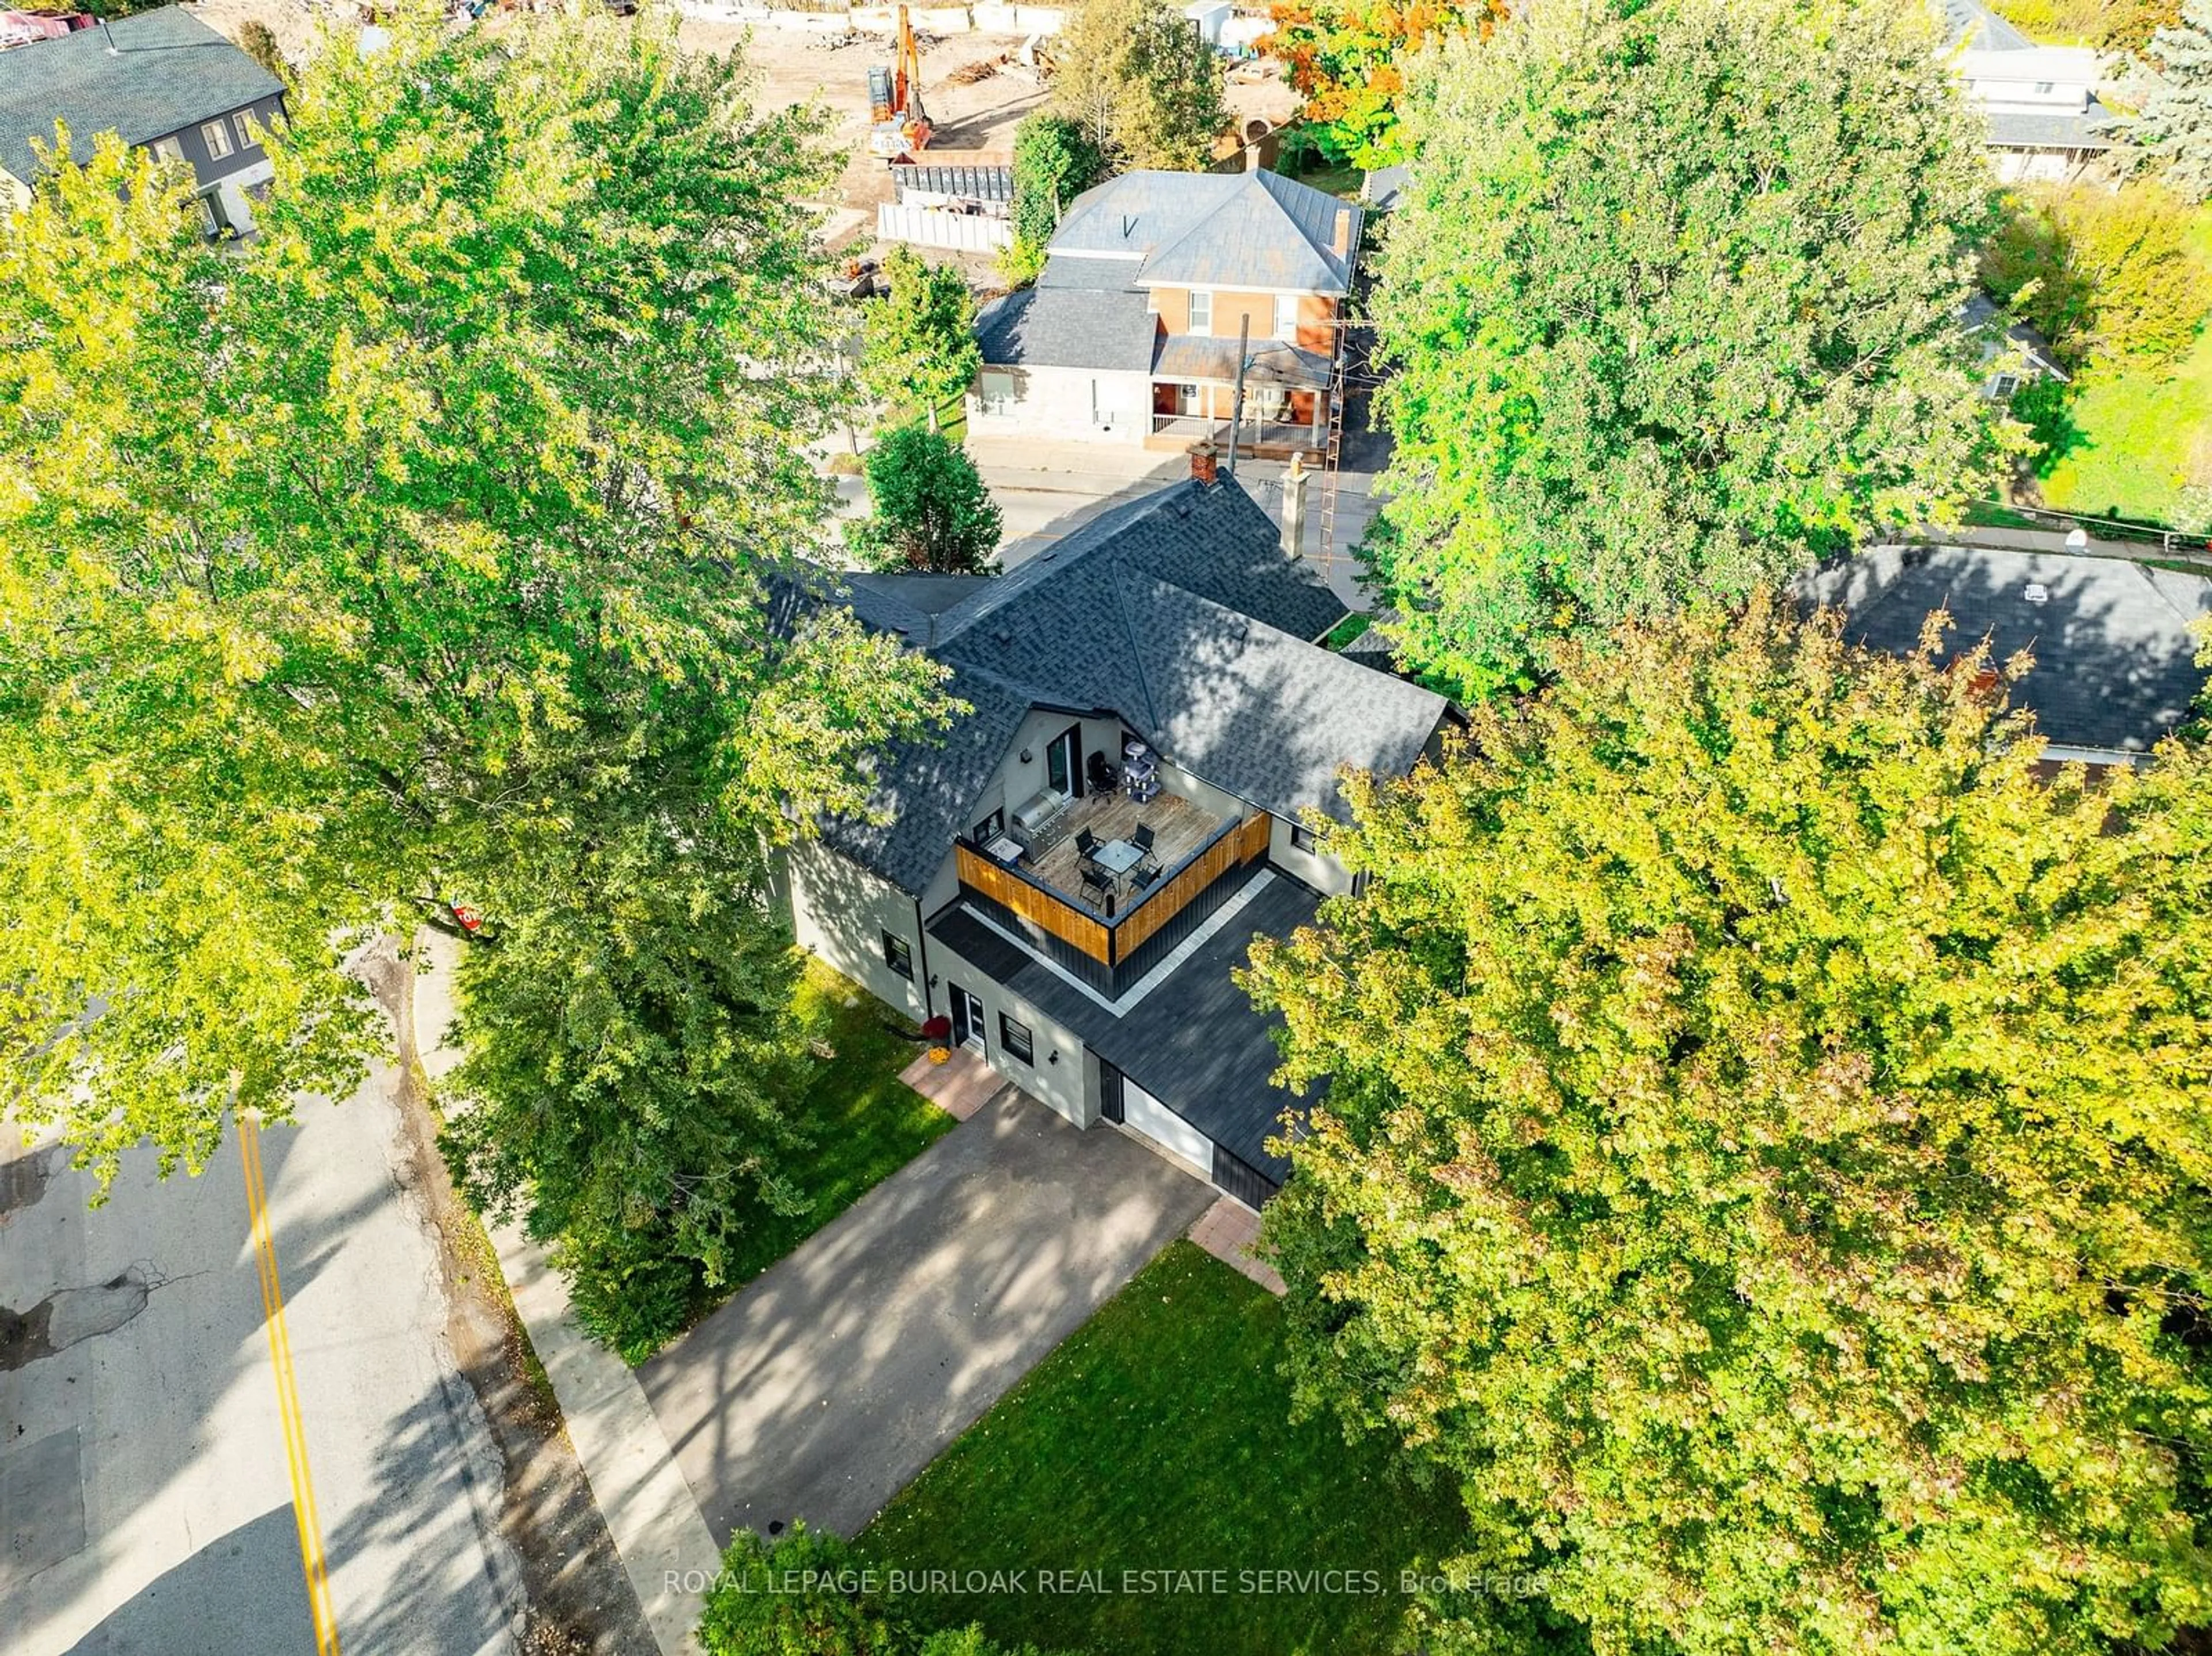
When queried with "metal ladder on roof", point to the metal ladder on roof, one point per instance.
{"points": [[1332, 456]]}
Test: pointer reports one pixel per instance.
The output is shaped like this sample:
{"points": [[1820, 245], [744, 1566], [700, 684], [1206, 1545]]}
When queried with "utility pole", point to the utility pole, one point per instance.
{"points": [[1237, 401]]}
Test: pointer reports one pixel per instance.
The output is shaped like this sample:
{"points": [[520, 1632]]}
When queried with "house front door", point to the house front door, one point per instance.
{"points": [[967, 1019]]}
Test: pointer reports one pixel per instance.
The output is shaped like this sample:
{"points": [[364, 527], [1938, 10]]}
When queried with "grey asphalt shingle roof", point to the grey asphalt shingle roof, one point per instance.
{"points": [[1273, 362], [1268, 716], [1972, 27], [1195, 1042], [2017, 130], [1253, 230], [2114, 658], [1069, 328], [1179, 612], [168, 71], [1057, 622]]}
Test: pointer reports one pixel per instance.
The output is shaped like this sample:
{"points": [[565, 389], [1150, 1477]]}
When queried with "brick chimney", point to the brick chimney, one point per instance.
{"points": [[1294, 506], [1202, 465], [1342, 243]]}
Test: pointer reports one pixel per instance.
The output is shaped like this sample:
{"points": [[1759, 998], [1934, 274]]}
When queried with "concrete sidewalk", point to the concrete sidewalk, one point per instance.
{"points": [[665, 1547]]}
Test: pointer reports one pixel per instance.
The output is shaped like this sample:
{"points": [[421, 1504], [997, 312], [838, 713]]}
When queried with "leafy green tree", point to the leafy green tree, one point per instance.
{"points": [[2175, 126], [415, 550], [1053, 163], [1651, 339], [1137, 77], [2113, 25], [2105, 274], [920, 344], [1348, 58], [1763, 1153], [931, 510]]}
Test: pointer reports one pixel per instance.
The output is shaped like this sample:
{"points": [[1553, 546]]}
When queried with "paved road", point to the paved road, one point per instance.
{"points": [[144, 1479], [824, 1388]]}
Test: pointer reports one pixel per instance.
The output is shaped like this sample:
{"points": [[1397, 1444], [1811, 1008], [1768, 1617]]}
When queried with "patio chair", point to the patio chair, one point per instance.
{"points": [[1146, 877], [1142, 839], [1097, 887], [1085, 842]]}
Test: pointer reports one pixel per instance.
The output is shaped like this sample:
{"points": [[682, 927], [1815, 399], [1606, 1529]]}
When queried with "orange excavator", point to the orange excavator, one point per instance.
{"points": [[900, 126]]}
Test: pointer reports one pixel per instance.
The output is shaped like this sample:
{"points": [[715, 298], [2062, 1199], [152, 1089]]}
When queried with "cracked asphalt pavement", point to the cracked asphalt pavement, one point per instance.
{"points": [[145, 1502]]}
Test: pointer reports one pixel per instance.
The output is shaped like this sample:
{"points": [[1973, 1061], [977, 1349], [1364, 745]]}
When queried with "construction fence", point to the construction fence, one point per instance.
{"points": [[938, 226], [831, 16]]}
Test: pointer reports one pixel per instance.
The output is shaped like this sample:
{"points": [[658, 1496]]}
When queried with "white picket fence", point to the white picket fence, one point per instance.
{"points": [[934, 226]]}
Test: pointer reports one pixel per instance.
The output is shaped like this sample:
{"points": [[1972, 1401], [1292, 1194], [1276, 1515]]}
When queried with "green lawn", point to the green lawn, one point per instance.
{"points": [[1351, 628], [1156, 1439], [2138, 431], [867, 1124]]}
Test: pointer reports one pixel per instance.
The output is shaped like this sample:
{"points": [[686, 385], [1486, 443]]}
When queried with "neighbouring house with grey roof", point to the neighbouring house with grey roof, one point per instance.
{"points": [[2045, 121], [1071, 874], [2114, 642], [161, 81], [1130, 334]]}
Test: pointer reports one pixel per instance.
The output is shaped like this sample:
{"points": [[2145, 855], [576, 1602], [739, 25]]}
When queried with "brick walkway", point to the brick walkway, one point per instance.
{"points": [[1227, 1231], [960, 1086]]}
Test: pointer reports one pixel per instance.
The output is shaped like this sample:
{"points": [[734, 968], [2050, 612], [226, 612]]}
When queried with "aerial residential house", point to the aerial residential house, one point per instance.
{"points": [[2044, 120], [1130, 334], [163, 81], [2013, 353], [1071, 874], [2113, 641]]}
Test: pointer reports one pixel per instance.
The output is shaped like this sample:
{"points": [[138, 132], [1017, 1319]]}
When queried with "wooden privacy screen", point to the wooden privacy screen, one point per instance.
{"points": [[1241, 844], [1040, 907]]}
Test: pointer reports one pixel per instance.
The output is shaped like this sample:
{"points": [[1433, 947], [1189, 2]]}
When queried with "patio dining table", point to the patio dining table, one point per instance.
{"points": [[1117, 857]]}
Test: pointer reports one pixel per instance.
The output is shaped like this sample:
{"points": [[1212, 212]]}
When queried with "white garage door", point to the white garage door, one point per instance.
{"points": [[1140, 1110]]}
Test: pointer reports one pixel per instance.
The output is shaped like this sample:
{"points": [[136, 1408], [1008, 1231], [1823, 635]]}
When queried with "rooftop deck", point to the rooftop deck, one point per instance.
{"points": [[1179, 827], [1201, 858]]}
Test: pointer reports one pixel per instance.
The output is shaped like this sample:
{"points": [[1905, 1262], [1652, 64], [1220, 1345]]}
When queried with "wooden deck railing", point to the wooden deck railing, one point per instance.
{"points": [[1245, 841], [1111, 942], [1034, 903]]}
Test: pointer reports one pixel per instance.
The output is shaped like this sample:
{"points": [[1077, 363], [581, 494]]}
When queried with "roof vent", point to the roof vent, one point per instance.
{"points": [[1004, 635], [2037, 592]]}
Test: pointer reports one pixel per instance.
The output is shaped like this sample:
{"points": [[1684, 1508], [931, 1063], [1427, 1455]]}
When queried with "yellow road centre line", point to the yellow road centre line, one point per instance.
{"points": [[288, 1398]]}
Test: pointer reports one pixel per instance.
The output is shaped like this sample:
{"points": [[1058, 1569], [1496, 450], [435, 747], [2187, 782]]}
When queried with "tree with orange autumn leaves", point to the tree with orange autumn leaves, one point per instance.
{"points": [[1346, 58]]}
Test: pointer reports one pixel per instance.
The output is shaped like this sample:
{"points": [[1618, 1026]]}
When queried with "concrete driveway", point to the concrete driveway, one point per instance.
{"points": [[824, 1387]]}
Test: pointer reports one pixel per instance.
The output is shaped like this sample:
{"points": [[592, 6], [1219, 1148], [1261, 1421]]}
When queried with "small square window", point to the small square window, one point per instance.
{"points": [[990, 828], [1014, 1040], [2006, 384], [1201, 312], [218, 139], [897, 955], [168, 149], [1286, 316], [244, 123], [1302, 837]]}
